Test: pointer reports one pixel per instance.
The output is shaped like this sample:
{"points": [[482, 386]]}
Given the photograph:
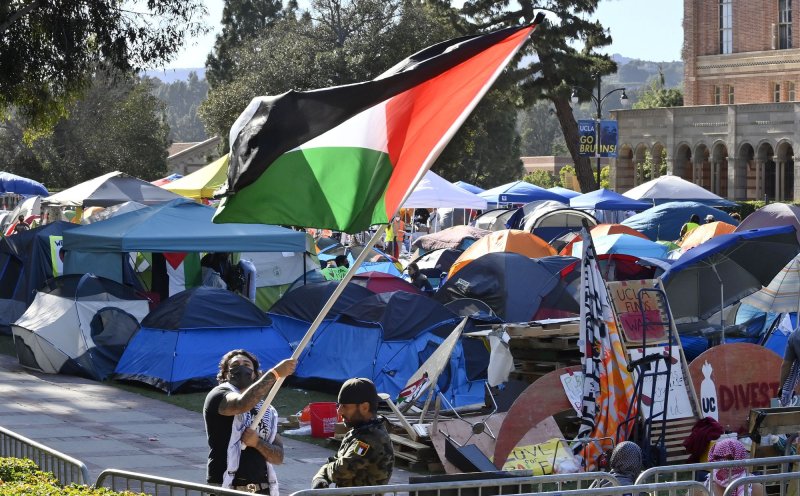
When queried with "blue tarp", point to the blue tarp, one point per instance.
{"points": [[519, 192], [369, 342], [12, 183], [210, 322], [665, 221], [180, 226], [603, 199], [469, 187]]}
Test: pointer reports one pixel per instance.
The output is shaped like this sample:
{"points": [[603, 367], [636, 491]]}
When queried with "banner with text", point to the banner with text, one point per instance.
{"points": [[587, 136]]}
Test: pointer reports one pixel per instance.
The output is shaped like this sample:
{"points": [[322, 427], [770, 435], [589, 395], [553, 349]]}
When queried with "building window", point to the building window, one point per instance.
{"points": [[785, 23], [776, 92], [730, 95], [726, 26], [717, 95], [790, 91]]}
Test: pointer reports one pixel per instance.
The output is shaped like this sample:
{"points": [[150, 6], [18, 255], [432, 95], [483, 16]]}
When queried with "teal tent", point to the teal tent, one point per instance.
{"points": [[178, 226]]}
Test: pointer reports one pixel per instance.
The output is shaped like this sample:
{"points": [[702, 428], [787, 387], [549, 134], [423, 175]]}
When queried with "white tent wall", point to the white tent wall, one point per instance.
{"points": [[57, 328]]}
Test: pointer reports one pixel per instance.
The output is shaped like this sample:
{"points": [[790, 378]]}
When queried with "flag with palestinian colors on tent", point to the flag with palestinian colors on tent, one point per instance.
{"points": [[607, 384], [346, 157]]}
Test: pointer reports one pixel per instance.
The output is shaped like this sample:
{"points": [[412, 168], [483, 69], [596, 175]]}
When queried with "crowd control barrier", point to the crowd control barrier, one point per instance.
{"points": [[766, 480], [67, 470], [682, 488], [122, 480], [484, 487], [689, 471]]}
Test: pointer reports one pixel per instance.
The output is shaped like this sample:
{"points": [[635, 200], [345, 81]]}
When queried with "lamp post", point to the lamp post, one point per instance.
{"points": [[598, 101]]}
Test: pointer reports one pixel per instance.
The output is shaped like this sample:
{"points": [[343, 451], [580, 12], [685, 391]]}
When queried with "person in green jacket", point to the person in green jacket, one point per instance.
{"points": [[694, 223]]}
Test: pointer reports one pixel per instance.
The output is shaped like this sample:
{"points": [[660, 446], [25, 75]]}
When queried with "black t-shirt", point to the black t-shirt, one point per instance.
{"points": [[218, 431], [252, 466]]}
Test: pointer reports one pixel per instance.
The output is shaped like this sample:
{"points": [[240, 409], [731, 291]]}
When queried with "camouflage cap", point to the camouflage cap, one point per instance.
{"points": [[358, 390]]}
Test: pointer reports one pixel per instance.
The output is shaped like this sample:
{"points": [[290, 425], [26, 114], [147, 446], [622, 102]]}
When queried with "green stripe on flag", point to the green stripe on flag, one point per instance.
{"points": [[315, 188]]}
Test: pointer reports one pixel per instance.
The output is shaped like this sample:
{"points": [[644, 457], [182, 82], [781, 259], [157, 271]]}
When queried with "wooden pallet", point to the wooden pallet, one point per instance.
{"points": [[541, 348], [415, 455]]}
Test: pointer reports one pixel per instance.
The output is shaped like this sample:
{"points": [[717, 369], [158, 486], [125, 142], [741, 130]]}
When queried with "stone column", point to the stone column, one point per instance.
{"points": [[778, 182], [759, 185]]}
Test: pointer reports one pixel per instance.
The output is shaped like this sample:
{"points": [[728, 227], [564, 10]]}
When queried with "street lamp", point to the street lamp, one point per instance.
{"points": [[598, 101]]}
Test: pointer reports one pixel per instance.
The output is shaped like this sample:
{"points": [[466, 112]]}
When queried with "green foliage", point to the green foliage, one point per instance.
{"points": [[540, 178], [605, 177], [556, 65], [656, 95], [117, 125], [21, 477], [540, 131], [746, 208], [182, 99], [50, 50], [644, 170], [562, 175]]}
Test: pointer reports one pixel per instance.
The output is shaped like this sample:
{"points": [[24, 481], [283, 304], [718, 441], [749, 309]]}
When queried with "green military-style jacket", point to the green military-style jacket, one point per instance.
{"points": [[365, 458]]}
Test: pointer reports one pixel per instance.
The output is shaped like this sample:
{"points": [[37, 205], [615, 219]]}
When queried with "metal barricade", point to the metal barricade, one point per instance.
{"points": [[762, 479], [122, 480], [67, 470], [484, 487], [683, 488], [689, 471]]}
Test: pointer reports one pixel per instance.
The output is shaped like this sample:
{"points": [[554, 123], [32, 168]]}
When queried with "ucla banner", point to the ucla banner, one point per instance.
{"points": [[586, 138], [608, 138]]}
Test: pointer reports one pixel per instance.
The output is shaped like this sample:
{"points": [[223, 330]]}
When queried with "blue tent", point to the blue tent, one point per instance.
{"points": [[513, 285], [305, 302], [181, 342], [519, 192], [469, 187], [603, 199], [625, 244], [178, 226], [26, 262], [387, 337], [12, 183], [566, 193], [664, 221]]}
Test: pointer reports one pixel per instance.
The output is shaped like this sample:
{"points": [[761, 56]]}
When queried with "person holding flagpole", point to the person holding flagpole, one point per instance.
{"points": [[229, 410]]}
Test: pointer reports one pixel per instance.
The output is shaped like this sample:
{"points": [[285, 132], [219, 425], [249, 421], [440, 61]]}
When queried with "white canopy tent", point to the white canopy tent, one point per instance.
{"points": [[673, 188], [433, 191]]}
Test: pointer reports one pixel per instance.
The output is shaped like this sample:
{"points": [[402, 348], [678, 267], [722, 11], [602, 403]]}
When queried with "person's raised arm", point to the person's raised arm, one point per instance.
{"points": [[236, 403]]}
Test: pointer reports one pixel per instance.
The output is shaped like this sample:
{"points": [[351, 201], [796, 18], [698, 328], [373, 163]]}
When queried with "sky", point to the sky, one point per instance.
{"points": [[640, 29]]}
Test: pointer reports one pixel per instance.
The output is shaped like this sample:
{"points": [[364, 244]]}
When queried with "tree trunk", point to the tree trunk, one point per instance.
{"points": [[583, 166]]}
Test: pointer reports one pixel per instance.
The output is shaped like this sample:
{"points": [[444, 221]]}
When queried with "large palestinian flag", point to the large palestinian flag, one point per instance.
{"points": [[346, 157]]}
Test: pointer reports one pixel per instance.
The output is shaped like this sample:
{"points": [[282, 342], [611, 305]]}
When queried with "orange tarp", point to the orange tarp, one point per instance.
{"points": [[701, 234], [507, 240]]}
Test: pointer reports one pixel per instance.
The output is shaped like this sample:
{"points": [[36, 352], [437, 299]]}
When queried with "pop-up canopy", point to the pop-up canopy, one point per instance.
{"points": [[203, 182], [433, 191], [110, 189]]}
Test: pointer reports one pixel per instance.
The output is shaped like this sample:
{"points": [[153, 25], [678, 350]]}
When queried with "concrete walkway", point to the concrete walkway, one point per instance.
{"points": [[106, 427]]}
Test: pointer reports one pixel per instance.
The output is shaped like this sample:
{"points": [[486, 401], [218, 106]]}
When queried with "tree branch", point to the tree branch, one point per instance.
{"points": [[17, 15]]}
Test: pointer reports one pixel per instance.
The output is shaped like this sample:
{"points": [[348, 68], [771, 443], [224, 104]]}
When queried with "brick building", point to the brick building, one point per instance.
{"points": [[740, 124]]}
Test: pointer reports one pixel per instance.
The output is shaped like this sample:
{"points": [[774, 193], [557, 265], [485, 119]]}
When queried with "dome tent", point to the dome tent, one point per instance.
{"points": [[181, 342], [78, 325]]}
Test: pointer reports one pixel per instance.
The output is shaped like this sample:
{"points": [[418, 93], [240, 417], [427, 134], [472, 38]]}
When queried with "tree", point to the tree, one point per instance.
{"points": [[50, 49], [645, 170], [656, 95], [539, 131], [182, 99], [556, 65], [117, 125], [541, 178], [241, 20]]}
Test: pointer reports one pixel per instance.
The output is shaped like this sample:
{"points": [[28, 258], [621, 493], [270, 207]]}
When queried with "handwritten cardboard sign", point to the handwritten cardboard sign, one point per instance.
{"points": [[678, 403], [539, 458], [573, 387], [625, 300]]}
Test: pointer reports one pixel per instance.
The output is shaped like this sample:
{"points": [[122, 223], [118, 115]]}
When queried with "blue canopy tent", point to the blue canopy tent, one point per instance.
{"points": [[181, 342], [178, 226], [12, 183], [393, 333], [566, 193], [663, 222], [469, 187], [519, 192], [603, 199]]}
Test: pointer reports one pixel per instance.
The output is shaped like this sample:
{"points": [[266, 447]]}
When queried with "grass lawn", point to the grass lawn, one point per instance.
{"points": [[288, 400]]}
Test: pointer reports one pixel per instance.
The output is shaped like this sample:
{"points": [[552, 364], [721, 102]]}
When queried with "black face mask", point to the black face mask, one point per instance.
{"points": [[240, 374]]}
